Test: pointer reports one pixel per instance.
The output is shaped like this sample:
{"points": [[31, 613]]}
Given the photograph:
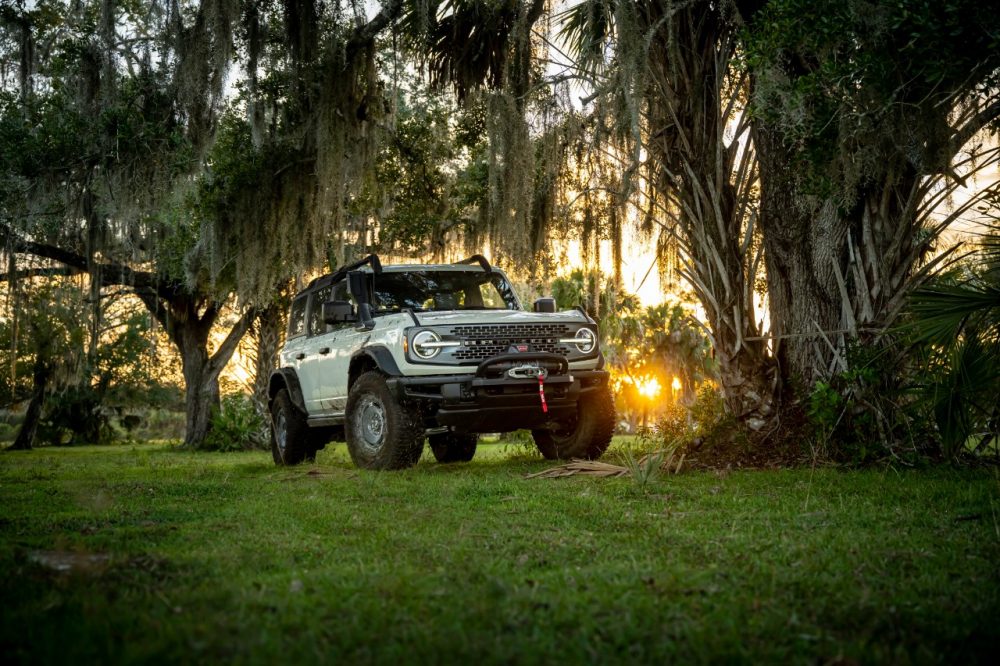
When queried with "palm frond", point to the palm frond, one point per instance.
{"points": [[466, 43], [990, 249], [964, 395], [586, 29], [942, 312]]}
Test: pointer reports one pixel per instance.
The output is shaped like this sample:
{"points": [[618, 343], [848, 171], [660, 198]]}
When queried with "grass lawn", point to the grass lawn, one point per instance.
{"points": [[147, 553]]}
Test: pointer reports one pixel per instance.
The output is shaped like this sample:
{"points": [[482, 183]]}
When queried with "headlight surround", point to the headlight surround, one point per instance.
{"points": [[587, 340], [423, 345]]}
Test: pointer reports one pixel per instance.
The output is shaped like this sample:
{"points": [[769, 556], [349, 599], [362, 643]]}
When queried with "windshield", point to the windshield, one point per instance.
{"points": [[442, 290]]}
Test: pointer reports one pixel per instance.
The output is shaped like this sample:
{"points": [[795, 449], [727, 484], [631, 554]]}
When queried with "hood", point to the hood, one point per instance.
{"points": [[459, 317]]}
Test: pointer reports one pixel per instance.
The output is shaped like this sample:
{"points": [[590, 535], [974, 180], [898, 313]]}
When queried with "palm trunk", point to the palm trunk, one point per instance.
{"points": [[708, 183]]}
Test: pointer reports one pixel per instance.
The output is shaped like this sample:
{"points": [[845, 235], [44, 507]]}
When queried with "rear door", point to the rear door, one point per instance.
{"points": [[293, 353], [336, 365], [314, 350]]}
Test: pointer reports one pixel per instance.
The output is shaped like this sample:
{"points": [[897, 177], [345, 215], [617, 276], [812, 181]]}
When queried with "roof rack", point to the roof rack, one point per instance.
{"points": [[323, 280], [371, 259], [477, 259]]}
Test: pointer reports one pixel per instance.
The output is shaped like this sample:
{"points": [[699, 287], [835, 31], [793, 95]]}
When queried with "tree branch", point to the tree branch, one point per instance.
{"points": [[228, 346], [155, 305], [364, 34], [111, 273], [51, 271], [535, 11]]}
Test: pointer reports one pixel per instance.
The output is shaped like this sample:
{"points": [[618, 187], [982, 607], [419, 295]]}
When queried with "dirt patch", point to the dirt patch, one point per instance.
{"points": [[733, 445], [69, 562]]}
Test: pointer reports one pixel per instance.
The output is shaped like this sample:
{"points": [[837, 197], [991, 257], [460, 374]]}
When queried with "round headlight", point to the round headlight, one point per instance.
{"points": [[587, 340], [423, 344]]}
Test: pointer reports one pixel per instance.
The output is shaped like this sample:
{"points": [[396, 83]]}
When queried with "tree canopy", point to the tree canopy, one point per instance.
{"points": [[789, 160]]}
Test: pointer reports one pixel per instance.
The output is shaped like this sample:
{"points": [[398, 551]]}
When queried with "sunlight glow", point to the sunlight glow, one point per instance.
{"points": [[676, 384], [649, 388]]}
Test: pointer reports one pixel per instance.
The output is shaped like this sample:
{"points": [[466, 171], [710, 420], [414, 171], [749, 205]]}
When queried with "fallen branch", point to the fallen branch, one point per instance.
{"points": [[578, 467], [584, 467]]}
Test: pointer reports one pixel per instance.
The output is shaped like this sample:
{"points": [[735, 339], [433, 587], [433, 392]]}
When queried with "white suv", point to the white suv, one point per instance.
{"points": [[391, 355]]}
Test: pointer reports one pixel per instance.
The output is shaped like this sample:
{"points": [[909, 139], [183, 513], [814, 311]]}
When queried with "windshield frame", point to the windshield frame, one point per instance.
{"points": [[457, 281]]}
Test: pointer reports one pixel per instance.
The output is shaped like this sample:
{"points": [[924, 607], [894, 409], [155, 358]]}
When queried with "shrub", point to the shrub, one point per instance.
{"points": [[237, 426], [519, 444]]}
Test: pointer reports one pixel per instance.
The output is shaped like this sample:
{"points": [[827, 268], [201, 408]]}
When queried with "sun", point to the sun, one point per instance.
{"points": [[649, 388]]}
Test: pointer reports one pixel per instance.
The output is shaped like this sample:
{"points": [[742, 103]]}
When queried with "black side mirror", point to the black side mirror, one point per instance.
{"points": [[337, 312], [545, 304]]}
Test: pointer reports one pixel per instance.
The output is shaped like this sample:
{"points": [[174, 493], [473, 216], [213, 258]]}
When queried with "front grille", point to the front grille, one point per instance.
{"points": [[488, 340]]}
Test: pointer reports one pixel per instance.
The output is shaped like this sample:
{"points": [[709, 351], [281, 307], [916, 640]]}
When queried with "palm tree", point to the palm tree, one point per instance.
{"points": [[957, 318]]}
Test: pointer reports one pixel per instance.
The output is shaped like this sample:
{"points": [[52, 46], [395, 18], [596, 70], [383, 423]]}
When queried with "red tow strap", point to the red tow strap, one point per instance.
{"points": [[541, 392]]}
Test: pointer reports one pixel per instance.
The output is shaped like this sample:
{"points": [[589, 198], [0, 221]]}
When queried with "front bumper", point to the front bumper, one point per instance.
{"points": [[493, 401]]}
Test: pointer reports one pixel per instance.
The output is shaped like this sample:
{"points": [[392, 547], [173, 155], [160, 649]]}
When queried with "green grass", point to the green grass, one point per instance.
{"points": [[212, 557]]}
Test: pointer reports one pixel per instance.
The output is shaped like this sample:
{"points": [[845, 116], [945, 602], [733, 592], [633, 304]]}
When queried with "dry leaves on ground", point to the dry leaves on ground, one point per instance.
{"points": [[602, 469]]}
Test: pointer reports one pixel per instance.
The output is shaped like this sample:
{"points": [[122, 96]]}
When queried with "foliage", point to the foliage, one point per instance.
{"points": [[237, 426], [861, 415], [91, 375], [826, 408], [644, 471], [46, 328], [668, 328], [880, 109], [430, 177], [641, 345], [88, 143], [108, 133], [854, 84], [955, 320], [860, 113], [518, 444]]}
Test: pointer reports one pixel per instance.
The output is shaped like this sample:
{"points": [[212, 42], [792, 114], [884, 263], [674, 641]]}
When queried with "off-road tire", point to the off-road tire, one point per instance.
{"points": [[586, 436], [381, 433], [290, 441], [451, 447]]}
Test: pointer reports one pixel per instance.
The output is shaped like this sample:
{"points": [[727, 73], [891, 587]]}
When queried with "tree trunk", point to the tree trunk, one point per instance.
{"points": [[747, 376], [268, 328], [29, 427], [188, 320], [835, 273], [803, 253], [201, 385], [708, 182]]}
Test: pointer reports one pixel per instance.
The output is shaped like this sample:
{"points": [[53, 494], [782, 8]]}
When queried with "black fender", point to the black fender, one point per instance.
{"points": [[377, 355], [285, 378]]}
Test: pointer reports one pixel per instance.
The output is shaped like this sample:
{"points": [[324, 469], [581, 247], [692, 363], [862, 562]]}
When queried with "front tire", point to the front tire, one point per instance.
{"points": [[587, 435], [289, 432], [451, 447], [381, 433]]}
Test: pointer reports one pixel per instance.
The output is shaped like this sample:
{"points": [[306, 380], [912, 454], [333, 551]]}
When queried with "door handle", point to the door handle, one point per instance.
{"points": [[324, 350], [300, 356]]}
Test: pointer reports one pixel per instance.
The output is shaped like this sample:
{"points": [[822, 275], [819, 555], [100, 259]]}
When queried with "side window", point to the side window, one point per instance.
{"points": [[340, 293], [316, 325], [297, 317]]}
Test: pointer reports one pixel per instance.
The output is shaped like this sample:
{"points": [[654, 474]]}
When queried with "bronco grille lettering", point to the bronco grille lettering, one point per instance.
{"points": [[487, 340]]}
